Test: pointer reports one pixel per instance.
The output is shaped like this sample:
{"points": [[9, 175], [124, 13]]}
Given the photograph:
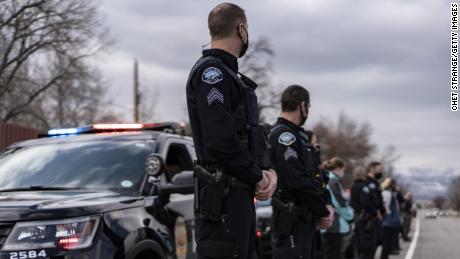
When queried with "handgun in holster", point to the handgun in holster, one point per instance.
{"points": [[286, 214], [367, 220], [210, 191]]}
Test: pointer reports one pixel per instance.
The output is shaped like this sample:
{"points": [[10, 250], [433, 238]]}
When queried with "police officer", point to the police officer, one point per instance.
{"points": [[298, 203], [374, 175], [228, 141], [366, 206]]}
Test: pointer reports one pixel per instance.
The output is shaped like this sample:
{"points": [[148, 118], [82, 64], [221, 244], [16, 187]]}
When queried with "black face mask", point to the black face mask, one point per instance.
{"points": [[378, 175], [245, 45], [303, 118]]}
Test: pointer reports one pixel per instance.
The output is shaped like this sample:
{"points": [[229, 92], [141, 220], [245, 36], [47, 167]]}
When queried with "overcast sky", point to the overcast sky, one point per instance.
{"points": [[384, 62]]}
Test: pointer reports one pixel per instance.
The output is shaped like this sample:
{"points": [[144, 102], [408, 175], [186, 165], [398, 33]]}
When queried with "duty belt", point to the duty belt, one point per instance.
{"points": [[207, 175], [289, 207]]}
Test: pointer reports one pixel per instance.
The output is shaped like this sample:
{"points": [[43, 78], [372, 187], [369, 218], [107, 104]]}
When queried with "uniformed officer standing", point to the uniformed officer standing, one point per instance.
{"points": [[229, 143], [298, 203], [374, 174], [366, 203]]}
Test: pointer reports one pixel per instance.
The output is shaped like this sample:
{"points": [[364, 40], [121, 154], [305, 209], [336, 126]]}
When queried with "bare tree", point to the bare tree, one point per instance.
{"points": [[149, 101], [388, 158], [44, 50], [257, 64], [346, 139], [454, 194]]}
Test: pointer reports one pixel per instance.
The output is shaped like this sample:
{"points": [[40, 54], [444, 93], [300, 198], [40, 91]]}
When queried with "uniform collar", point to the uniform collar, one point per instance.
{"points": [[226, 57], [289, 123]]}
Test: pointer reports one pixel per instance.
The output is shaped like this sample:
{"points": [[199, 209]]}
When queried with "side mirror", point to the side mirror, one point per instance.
{"points": [[183, 178], [154, 165], [182, 183]]}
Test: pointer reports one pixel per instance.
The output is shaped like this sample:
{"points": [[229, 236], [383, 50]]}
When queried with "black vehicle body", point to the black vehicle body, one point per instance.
{"points": [[263, 229], [139, 224]]}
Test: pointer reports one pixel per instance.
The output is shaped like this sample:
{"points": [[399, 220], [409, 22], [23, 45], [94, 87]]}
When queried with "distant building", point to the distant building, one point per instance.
{"points": [[10, 134]]}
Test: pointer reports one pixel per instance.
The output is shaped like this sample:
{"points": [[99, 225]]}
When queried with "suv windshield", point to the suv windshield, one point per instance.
{"points": [[116, 165]]}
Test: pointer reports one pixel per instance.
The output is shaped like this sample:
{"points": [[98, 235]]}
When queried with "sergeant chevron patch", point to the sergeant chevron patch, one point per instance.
{"points": [[290, 153], [215, 95], [212, 75]]}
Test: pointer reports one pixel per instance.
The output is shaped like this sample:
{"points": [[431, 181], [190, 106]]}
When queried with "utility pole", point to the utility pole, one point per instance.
{"points": [[136, 92]]}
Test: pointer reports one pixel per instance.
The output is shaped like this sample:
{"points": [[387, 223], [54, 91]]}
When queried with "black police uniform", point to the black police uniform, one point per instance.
{"points": [[367, 226], [223, 114], [298, 201]]}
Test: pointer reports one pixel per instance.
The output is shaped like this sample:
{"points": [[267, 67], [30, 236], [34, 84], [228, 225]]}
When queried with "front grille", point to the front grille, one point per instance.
{"points": [[5, 229]]}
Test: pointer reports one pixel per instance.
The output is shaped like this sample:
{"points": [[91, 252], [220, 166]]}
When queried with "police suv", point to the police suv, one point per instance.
{"points": [[99, 191]]}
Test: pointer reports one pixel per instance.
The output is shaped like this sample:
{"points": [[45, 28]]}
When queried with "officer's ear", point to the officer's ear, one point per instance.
{"points": [[243, 31], [305, 107]]}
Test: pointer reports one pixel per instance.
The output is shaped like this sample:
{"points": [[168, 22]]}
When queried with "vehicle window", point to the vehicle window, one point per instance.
{"points": [[117, 165], [177, 160]]}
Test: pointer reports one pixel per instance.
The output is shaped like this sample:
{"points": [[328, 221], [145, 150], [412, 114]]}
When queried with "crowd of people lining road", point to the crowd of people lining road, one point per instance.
{"points": [[378, 213], [237, 160]]}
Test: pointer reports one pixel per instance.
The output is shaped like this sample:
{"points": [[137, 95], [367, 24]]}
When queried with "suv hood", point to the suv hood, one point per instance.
{"points": [[43, 205]]}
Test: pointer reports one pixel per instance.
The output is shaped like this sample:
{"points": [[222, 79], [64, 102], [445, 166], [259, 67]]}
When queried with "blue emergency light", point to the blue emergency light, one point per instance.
{"points": [[95, 128]]}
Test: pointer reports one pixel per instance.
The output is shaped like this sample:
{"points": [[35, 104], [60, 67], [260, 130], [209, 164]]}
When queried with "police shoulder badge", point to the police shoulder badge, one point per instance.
{"points": [[212, 75], [366, 189], [286, 138], [372, 186]]}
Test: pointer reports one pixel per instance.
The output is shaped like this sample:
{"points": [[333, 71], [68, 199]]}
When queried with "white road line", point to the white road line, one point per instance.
{"points": [[413, 244]]}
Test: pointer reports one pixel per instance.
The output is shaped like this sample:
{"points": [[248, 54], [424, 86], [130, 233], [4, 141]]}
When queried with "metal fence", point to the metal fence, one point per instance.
{"points": [[10, 134]]}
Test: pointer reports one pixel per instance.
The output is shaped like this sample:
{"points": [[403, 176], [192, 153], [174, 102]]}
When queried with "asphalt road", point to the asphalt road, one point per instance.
{"points": [[438, 239]]}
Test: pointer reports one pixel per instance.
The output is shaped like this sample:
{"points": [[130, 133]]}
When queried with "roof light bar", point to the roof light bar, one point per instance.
{"points": [[67, 131], [97, 128], [117, 126]]}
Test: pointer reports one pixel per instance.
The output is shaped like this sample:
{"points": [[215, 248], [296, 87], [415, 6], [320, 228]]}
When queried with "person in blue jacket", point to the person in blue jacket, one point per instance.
{"points": [[333, 237]]}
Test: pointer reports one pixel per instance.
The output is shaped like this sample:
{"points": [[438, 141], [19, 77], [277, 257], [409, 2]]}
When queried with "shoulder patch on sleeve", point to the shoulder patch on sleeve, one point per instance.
{"points": [[215, 96], [212, 75], [366, 189], [372, 186], [286, 138], [290, 153]]}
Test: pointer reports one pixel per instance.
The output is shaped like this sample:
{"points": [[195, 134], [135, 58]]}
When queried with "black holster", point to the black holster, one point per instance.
{"points": [[367, 221], [285, 216], [210, 191]]}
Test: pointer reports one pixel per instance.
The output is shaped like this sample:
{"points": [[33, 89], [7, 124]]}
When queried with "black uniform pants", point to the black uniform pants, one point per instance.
{"points": [[367, 232], [297, 245], [389, 234], [333, 245], [234, 237]]}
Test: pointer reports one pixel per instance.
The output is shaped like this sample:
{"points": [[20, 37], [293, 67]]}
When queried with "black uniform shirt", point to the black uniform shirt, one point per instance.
{"points": [[294, 167], [212, 96], [362, 199], [376, 192]]}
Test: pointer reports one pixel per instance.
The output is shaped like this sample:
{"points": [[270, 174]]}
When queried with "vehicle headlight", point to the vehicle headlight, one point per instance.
{"points": [[68, 234]]}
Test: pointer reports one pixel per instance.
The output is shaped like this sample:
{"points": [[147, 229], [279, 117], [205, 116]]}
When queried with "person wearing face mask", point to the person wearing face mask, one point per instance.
{"points": [[366, 208], [299, 207], [374, 175], [333, 237], [391, 220], [230, 168]]}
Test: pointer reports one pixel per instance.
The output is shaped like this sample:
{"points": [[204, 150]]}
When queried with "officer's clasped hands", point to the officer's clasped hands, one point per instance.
{"points": [[326, 222], [266, 186]]}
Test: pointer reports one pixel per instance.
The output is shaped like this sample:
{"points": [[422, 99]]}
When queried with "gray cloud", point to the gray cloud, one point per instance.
{"points": [[385, 62]]}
